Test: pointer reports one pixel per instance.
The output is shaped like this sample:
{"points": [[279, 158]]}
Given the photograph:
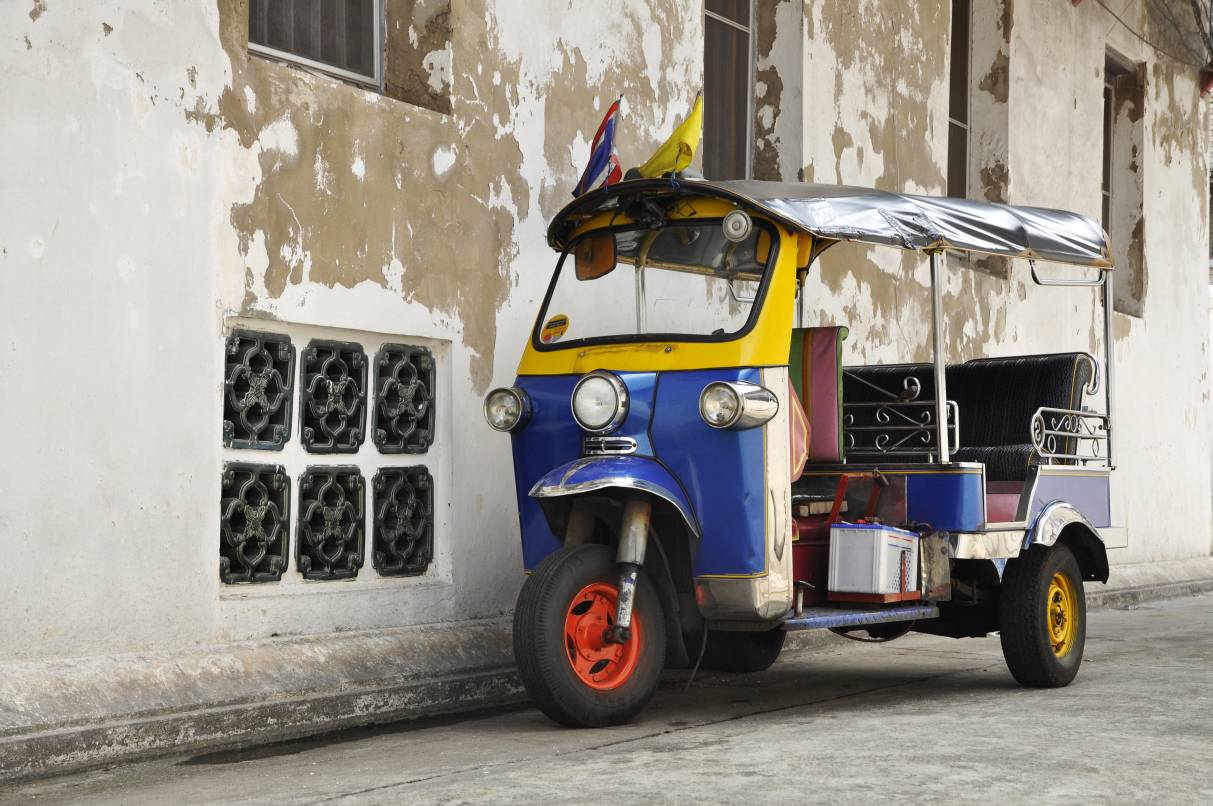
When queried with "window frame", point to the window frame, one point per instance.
{"points": [[965, 89], [325, 70], [751, 34]]}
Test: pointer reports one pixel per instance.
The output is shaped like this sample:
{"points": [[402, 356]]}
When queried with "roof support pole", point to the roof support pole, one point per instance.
{"points": [[941, 381], [1109, 364]]}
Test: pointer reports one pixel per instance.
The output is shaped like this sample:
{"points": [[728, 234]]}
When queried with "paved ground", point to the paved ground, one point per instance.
{"points": [[921, 720]]}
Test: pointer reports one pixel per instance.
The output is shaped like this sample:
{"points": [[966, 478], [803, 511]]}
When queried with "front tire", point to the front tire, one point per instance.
{"points": [[572, 675], [1043, 617]]}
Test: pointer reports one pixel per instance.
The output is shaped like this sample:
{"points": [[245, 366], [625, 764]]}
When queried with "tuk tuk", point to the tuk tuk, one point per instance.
{"points": [[698, 474]]}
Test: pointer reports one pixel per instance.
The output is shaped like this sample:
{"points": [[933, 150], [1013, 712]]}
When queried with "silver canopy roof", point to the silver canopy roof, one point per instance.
{"points": [[843, 213]]}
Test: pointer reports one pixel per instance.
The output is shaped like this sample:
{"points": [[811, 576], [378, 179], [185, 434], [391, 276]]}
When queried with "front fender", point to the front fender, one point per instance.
{"points": [[621, 472], [1061, 521]]}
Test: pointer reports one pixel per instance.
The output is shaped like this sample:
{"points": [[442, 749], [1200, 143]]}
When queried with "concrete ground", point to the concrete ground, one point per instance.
{"points": [[923, 719]]}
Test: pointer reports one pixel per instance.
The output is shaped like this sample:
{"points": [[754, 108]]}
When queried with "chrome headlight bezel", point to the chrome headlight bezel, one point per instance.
{"points": [[524, 408], [621, 402], [757, 405]]}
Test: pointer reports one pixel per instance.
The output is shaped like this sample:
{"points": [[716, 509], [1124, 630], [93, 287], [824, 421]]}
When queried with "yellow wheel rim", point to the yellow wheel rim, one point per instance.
{"points": [[1062, 614]]}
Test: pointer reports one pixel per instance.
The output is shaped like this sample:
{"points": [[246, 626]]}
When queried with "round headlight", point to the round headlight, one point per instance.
{"points": [[600, 402], [719, 405], [737, 405], [507, 409]]}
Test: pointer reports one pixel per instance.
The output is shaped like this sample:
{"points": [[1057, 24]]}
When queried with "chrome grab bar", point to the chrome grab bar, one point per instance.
{"points": [[1041, 281]]}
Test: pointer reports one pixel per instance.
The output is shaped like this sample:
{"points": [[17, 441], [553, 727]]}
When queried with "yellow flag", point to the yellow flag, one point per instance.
{"points": [[677, 152]]}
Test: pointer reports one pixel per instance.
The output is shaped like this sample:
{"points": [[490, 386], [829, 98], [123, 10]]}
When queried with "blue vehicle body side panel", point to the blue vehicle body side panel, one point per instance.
{"points": [[551, 439], [641, 386], [1089, 493], [952, 501], [723, 473], [599, 472]]}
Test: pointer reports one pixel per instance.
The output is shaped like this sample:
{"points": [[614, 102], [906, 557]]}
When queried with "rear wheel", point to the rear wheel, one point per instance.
{"points": [[1043, 617], [741, 652], [571, 672]]}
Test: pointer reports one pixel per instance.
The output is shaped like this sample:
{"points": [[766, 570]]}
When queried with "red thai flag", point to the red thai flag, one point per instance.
{"points": [[604, 167]]}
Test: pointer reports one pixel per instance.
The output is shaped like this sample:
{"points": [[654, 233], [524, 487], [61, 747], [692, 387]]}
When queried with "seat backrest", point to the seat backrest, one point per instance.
{"points": [[815, 369], [998, 396]]}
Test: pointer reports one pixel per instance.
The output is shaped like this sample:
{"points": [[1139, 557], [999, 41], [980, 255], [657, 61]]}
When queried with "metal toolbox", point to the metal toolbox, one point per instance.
{"points": [[872, 563]]}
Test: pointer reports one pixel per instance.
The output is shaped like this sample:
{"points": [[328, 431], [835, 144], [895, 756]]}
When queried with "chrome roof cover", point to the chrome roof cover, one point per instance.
{"points": [[844, 213]]}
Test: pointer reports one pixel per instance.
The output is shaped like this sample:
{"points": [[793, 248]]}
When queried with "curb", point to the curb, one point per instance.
{"points": [[1122, 597]]}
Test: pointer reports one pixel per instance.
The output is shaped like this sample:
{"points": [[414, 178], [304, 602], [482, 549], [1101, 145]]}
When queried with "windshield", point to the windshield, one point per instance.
{"points": [[686, 281]]}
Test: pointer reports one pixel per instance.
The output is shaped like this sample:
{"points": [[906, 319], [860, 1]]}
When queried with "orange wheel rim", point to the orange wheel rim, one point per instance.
{"points": [[600, 665]]}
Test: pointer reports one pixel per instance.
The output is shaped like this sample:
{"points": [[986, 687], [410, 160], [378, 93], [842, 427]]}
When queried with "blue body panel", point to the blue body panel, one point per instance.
{"points": [[949, 500], [641, 386], [551, 439], [636, 471], [1089, 493], [723, 473]]}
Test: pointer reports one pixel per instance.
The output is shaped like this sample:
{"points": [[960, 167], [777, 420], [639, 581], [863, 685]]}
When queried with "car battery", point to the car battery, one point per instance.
{"points": [[871, 562]]}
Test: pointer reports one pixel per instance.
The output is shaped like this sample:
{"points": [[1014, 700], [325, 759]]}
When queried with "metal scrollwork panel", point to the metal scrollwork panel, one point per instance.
{"points": [[258, 386], [404, 399], [331, 518], [404, 521], [254, 521], [333, 398]]}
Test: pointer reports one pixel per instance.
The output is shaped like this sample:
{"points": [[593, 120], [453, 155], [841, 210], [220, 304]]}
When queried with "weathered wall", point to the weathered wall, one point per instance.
{"points": [[866, 102], [175, 187]]}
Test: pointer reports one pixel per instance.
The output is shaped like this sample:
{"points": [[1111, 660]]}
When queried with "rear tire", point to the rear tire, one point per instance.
{"points": [[570, 674], [743, 652], [1043, 617]]}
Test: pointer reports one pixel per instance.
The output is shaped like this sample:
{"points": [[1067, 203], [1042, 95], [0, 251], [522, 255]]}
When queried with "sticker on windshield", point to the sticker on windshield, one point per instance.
{"points": [[554, 329]]}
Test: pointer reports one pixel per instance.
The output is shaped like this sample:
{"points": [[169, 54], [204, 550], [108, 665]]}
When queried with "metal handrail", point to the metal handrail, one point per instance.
{"points": [[1041, 281], [1081, 426]]}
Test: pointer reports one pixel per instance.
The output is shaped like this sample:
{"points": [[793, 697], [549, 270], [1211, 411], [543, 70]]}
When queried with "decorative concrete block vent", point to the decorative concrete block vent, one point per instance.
{"points": [[404, 399], [258, 386], [254, 523], [333, 397], [404, 521], [331, 517]]}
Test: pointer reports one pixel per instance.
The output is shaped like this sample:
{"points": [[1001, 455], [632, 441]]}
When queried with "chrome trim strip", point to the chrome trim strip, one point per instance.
{"points": [[608, 446], [627, 482], [986, 545], [1056, 515]]}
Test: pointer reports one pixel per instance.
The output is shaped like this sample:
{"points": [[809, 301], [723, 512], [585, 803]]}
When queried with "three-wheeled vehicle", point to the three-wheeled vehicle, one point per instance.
{"points": [[697, 474]]}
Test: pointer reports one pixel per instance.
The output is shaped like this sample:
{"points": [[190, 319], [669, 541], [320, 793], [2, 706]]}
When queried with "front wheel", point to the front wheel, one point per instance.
{"points": [[1043, 617], [571, 672]]}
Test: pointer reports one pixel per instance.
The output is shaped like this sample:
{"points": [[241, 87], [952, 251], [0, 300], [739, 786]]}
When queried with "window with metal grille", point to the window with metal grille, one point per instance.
{"points": [[332, 401], [728, 89], [404, 521], [340, 38], [254, 522], [958, 102], [404, 399], [331, 515], [258, 385]]}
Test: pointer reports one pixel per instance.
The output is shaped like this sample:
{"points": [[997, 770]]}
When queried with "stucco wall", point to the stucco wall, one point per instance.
{"points": [[173, 187], [161, 187], [868, 90]]}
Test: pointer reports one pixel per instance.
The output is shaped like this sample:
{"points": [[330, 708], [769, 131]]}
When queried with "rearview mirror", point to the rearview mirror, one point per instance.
{"points": [[595, 257]]}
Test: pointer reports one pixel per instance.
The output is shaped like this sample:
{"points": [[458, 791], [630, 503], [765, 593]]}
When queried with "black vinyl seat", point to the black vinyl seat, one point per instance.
{"points": [[997, 398]]}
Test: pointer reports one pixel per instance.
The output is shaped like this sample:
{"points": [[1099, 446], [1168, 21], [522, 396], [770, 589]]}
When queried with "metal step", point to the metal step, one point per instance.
{"points": [[813, 618]]}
